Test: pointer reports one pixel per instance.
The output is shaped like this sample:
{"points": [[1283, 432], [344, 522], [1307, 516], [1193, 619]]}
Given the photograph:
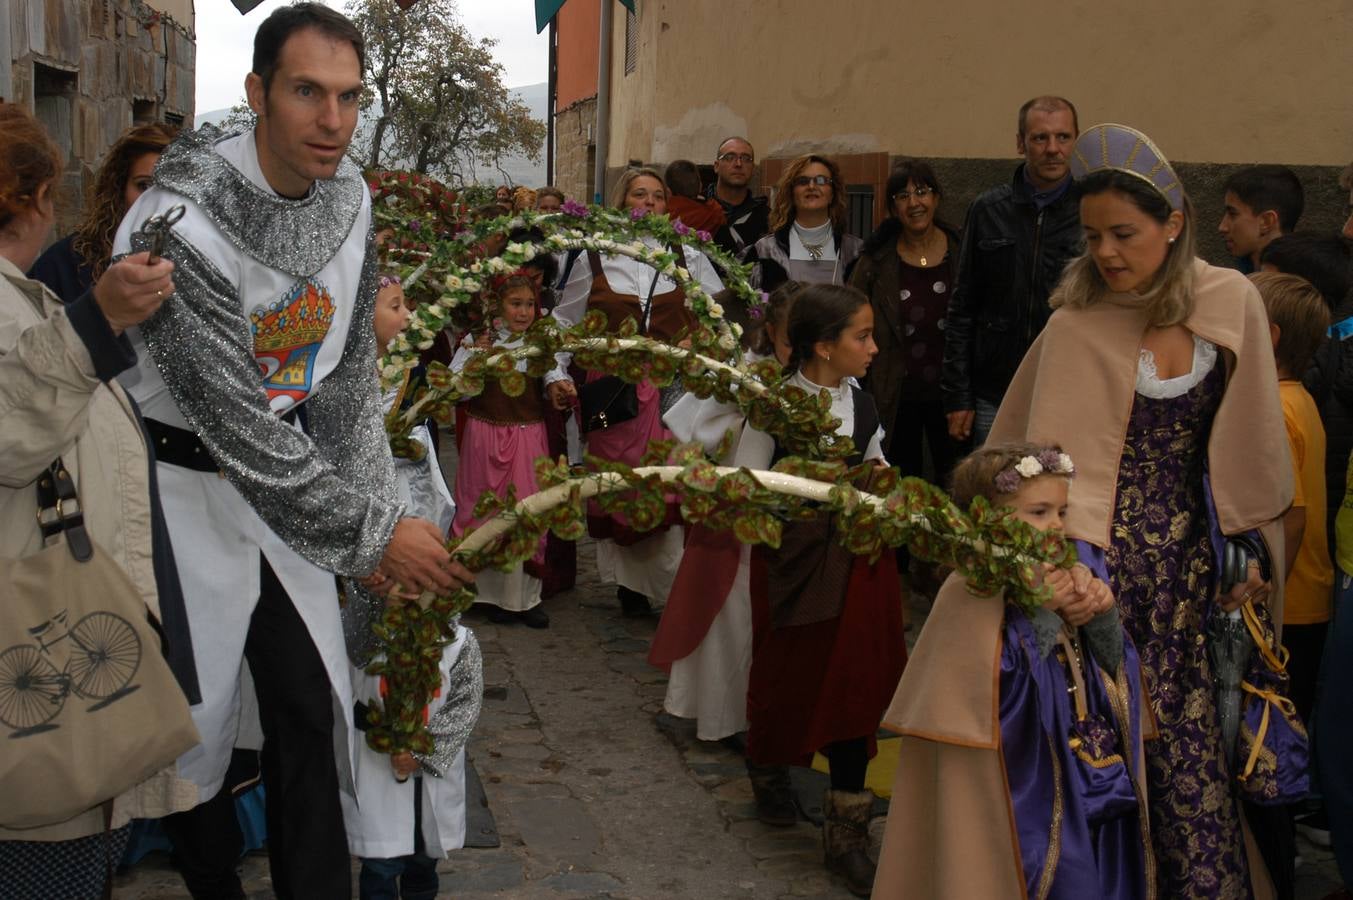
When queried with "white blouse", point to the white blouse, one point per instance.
{"points": [[506, 340], [1150, 384], [756, 448], [630, 277]]}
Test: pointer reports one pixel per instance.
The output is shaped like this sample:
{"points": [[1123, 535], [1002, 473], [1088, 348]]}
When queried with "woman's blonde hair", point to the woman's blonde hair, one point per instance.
{"points": [[622, 186], [782, 207], [1169, 296]]}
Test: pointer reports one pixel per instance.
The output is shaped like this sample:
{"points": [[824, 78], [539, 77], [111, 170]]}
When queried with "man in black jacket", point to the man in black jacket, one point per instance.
{"points": [[748, 215], [1016, 240]]}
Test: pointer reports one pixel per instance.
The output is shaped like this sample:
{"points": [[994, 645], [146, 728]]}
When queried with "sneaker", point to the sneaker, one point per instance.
{"points": [[633, 603], [535, 617], [1315, 827]]}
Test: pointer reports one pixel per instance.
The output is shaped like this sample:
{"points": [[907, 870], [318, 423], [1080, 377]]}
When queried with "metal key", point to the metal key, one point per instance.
{"points": [[157, 229]]}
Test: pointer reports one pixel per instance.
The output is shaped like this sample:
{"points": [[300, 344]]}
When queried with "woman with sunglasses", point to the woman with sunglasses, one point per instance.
{"points": [[807, 241]]}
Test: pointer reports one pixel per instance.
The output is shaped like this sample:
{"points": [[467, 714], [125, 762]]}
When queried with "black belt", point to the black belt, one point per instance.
{"points": [[179, 447]]}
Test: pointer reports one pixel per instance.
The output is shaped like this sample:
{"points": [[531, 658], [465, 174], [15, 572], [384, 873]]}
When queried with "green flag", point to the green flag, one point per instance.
{"points": [[548, 9]]}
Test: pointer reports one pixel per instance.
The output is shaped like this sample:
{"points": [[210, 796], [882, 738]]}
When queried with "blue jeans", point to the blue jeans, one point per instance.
{"points": [[1334, 726], [412, 877], [982, 421]]}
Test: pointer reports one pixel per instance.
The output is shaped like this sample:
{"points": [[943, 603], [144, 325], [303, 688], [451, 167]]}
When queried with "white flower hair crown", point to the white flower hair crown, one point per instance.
{"points": [[1047, 462]]}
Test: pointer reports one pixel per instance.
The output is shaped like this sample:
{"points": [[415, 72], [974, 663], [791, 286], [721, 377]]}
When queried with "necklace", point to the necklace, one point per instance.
{"points": [[815, 249], [929, 240]]}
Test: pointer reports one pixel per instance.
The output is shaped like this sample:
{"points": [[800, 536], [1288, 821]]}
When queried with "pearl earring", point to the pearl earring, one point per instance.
{"points": [[1170, 241]]}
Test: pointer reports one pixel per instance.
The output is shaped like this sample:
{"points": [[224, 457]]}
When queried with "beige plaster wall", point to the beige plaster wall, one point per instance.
{"points": [[1214, 81]]}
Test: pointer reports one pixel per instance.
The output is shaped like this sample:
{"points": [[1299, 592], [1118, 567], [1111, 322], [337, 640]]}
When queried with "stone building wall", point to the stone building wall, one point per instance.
{"points": [[89, 69], [575, 149]]}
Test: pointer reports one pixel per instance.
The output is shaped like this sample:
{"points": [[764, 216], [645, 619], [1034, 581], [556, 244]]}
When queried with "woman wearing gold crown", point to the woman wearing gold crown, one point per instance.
{"points": [[1156, 373]]}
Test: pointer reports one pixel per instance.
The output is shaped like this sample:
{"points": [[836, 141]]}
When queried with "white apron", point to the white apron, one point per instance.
{"points": [[216, 535], [380, 818]]}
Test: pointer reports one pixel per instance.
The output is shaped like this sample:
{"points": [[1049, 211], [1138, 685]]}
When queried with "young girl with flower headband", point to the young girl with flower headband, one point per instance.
{"points": [[1021, 771], [398, 796], [502, 439], [705, 637]]}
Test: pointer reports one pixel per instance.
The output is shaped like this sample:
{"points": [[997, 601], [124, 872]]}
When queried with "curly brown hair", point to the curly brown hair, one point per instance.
{"points": [[782, 208], [106, 204]]}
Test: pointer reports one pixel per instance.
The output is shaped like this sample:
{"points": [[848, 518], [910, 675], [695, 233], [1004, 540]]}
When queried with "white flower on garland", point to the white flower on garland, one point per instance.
{"points": [[1029, 467], [453, 283], [1064, 464]]}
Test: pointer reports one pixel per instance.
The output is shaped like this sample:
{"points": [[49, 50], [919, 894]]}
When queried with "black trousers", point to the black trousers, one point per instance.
{"points": [[307, 844], [920, 423]]}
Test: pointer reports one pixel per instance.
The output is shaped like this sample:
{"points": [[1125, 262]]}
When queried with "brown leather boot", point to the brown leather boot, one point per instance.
{"points": [[774, 798], [845, 838]]}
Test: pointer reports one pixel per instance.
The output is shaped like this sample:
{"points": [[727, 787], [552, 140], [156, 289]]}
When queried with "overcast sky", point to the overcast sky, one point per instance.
{"points": [[225, 43]]}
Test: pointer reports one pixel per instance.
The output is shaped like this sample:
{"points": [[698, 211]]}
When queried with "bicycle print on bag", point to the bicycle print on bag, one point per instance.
{"points": [[102, 655]]}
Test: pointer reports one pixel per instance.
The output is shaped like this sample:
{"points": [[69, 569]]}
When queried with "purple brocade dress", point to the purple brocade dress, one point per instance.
{"points": [[1161, 567]]}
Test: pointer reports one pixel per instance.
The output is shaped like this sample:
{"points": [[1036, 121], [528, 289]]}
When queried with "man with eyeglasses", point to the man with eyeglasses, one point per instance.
{"points": [[1016, 240], [748, 215]]}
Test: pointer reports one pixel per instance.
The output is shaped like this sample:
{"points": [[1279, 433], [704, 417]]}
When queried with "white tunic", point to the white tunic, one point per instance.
{"points": [[379, 819], [217, 536]]}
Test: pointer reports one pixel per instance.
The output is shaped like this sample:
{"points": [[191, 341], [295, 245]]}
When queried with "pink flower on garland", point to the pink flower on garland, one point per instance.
{"points": [[573, 208]]}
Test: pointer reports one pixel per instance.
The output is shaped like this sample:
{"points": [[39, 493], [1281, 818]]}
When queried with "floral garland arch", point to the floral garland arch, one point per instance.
{"points": [[992, 551]]}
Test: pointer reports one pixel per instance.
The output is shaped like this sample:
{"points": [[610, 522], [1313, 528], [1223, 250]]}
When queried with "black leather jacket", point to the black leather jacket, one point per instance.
{"points": [[1012, 255]]}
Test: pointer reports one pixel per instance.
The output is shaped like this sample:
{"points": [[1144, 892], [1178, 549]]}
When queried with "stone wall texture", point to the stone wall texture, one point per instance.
{"points": [[89, 69], [574, 149]]}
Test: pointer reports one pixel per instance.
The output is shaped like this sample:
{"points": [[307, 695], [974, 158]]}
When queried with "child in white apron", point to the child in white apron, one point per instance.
{"points": [[409, 809]]}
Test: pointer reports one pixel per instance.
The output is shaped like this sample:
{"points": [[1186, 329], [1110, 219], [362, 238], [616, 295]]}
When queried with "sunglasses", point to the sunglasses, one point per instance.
{"points": [[730, 158], [805, 180]]}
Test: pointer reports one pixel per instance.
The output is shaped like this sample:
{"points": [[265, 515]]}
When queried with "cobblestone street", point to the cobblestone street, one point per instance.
{"points": [[596, 794]]}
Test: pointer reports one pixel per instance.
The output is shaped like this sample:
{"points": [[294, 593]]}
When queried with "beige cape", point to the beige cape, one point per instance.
{"points": [[950, 831], [1076, 388]]}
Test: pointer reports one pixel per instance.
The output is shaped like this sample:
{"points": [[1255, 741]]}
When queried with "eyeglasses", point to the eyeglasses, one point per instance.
{"points": [[919, 193], [745, 158], [805, 180]]}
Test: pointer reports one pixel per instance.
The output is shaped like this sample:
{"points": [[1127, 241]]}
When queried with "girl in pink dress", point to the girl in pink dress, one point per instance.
{"points": [[502, 439]]}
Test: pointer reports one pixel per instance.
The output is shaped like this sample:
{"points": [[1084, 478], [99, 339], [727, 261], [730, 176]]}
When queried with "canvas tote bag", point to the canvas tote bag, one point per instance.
{"points": [[88, 705]]}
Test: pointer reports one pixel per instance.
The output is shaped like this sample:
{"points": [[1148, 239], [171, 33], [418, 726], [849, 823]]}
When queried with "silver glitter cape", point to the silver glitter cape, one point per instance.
{"points": [[331, 494], [297, 237], [451, 725]]}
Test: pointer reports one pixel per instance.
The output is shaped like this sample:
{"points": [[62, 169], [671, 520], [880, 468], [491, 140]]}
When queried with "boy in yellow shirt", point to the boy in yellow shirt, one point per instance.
{"points": [[1298, 318]]}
